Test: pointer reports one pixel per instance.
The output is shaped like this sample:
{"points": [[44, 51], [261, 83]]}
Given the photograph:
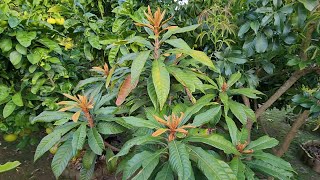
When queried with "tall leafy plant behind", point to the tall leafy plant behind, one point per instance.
{"points": [[165, 61]]}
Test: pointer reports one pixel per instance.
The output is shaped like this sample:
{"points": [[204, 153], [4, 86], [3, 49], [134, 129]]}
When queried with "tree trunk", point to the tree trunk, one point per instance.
{"points": [[294, 77], [292, 133]]}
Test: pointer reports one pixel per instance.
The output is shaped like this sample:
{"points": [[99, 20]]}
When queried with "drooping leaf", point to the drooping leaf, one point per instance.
{"points": [[125, 90], [263, 142], [161, 81], [199, 56], [79, 137], [233, 130], [152, 92], [211, 167], [309, 4], [216, 141], [238, 168], [88, 159], [138, 122], [95, 141], [8, 166], [62, 158], [206, 116], [179, 160], [50, 116], [135, 163], [138, 64], [273, 160], [165, 173], [148, 139]]}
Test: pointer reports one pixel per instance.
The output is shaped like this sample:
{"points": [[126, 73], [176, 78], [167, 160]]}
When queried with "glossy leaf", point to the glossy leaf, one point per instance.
{"points": [[161, 81], [263, 142], [138, 64], [95, 141], [17, 99], [8, 109], [138, 122], [15, 57], [62, 158], [165, 173], [238, 168], [50, 116], [79, 137], [25, 38]]}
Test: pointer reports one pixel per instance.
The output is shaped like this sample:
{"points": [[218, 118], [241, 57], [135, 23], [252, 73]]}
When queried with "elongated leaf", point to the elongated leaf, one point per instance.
{"points": [[207, 116], [52, 45], [95, 141], [238, 168], [165, 173], [211, 167], [61, 158], [152, 92], [309, 4], [161, 81], [50, 116], [4, 91], [273, 160], [138, 141], [263, 142], [179, 160], [270, 170], [110, 128], [148, 165], [94, 41], [233, 130], [238, 111], [79, 137], [88, 159], [8, 109], [178, 30], [233, 79], [87, 174], [250, 93], [113, 54], [87, 81], [178, 43], [187, 79], [125, 90], [138, 122], [8, 166], [198, 56], [51, 139], [261, 44], [138, 64], [135, 163], [216, 141]]}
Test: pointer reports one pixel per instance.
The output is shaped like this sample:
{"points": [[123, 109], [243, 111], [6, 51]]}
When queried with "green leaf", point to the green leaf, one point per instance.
{"points": [[25, 38], [62, 158], [161, 81], [87, 174], [243, 29], [116, 25], [263, 142], [233, 130], [51, 139], [52, 45], [178, 43], [33, 58], [255, 26], [5, 44], [138, 141], [13, 21], [261, 44], [8, 166], [87, 52], [270, 170], [8, 109], [135, 163], [113, 54], [206, 116], [238, 168], [94, 41], [309, 4], [151, 92], [110, 128], [95, 141], [198, 56], [21, 49], [250, 93], [216, 141], [138, 122], [15, 57], [148, 165], [88, 159], [138, 64], [273, 160], [87, 81], [111, 166], [79, 137], [50, 116], [238, 111], [178, 30], [165, 173], [4, 92], [211, 167], [187, 79], [179, 160], [17, 99], [233, 79]]}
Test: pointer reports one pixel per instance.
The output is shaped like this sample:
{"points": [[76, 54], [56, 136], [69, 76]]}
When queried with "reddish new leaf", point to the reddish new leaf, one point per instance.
{"points": [[125, 90]]}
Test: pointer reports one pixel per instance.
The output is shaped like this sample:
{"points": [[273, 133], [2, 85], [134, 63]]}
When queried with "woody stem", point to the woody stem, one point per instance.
{"points": [[89, 118], [156, 48]]}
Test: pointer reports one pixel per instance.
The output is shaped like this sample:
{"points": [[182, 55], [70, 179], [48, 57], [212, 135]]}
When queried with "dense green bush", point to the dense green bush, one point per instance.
{"points": [[206, 63]]}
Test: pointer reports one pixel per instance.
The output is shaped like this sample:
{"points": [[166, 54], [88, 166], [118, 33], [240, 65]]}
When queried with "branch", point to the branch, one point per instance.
{"points": [[111, 147]]}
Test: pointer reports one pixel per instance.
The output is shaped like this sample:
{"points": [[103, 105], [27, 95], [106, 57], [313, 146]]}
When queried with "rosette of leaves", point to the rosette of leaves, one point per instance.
{"points": [[93, 120]]}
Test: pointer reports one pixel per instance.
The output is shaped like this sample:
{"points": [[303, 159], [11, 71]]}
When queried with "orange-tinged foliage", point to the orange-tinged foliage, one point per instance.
{"points": [[172, 122], [125, 90]]}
